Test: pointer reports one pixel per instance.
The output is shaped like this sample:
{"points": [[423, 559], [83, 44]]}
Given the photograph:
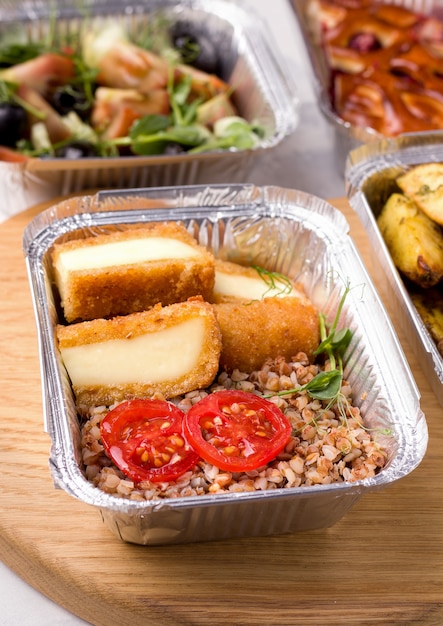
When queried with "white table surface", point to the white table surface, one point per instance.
{"points": [[307, 162]]}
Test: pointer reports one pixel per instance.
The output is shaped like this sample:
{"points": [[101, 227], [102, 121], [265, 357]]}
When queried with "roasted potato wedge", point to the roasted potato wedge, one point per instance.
{"points": [[415, 242], [424, 185], [429, 305]]}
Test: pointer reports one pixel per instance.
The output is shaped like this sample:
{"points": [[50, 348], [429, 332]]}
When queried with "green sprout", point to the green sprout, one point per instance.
{"points": [[276, 282], [326, 385]]}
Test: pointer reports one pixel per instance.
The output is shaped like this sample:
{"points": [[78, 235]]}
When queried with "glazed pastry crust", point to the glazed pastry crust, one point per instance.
{"points": [[384, 62]]}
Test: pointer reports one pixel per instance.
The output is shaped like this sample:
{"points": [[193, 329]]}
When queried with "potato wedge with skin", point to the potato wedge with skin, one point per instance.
{"points": [[415, 242], [429, 305], [424, 185]]}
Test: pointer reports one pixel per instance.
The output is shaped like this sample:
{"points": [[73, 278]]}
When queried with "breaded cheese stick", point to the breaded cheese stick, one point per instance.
{"points": [[235, 282], [130, 271], [168, 350], [261, 315]]}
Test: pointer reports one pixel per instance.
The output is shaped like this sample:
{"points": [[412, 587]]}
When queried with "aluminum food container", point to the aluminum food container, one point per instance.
{"points": [[347, 136], [263, 93], [283, 230], [371, 171]]}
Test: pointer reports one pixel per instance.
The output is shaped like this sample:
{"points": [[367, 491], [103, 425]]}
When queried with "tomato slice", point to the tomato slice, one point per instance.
{"points": [[145, 440], [235, 430]]}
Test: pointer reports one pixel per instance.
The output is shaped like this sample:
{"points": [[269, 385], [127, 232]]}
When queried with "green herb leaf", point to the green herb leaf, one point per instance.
{"points": [[326, 385], [151, 133], [278, 283], [7, 91], [149, 125], [15, 53]]}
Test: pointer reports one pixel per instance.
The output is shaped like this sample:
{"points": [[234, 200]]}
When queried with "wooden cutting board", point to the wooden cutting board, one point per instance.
{"points": [[381, 564]]}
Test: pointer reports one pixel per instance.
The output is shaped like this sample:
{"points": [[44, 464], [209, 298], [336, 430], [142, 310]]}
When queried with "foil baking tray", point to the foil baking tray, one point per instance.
{"points": [[283, 230], [370, 174], [347, 136], [249, 61]]}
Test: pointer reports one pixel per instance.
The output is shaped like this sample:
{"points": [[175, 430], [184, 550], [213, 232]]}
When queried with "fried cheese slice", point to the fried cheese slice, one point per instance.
{"points": [[129, 271], [261, 315], [166, 350], [234, 281]]}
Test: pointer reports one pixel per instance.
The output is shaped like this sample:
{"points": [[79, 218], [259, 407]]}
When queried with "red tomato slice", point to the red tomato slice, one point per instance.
{"points": [[235, 430], [145, 440]]}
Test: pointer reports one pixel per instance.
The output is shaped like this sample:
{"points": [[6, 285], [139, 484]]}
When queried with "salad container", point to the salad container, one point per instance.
{"points": [[371, 172], [262, 93], [347, 136], [287, 231]]}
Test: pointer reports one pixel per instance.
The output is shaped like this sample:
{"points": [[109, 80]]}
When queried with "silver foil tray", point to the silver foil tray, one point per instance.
{"points": [[283, 230], [263, 93], [371, 171], [347, 136]]}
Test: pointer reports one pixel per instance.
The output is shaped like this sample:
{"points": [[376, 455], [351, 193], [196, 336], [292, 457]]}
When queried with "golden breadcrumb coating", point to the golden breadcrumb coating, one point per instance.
{"points": [[166, 350], [120, 287], [256, 328], [274, 327]]}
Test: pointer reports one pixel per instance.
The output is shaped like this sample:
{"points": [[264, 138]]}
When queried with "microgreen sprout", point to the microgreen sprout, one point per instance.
{"points": [[326, 385], [8, 94], [278, 284]]}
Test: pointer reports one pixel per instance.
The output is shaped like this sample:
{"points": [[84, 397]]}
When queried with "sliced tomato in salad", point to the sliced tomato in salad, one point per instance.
{"points": [[235, 430], [145, 440]]}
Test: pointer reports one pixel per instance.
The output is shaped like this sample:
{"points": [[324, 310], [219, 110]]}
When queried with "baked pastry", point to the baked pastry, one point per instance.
{"points": [[261, 315], [385, 64], [166, 350], [131, 270]]}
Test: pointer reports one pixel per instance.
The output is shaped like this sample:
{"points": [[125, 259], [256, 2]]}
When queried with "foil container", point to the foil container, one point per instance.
{"points": [[371, 171], [282, 230], [263, 93], [347, 136]]}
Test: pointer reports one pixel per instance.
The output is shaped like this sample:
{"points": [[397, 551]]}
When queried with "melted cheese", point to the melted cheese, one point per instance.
{"points": [[126, 252], [246, 287], [151, 358]]}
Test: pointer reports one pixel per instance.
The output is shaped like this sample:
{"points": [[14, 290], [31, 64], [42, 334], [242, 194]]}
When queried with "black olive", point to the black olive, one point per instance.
{"points": [[71, 98], [173, 148], [76, 150], [13, 123], [200, 52]]}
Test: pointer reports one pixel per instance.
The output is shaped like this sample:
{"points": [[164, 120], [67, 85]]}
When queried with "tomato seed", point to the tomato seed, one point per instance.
{"points": [[177, 441], [165, 425], [229, 450]]}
